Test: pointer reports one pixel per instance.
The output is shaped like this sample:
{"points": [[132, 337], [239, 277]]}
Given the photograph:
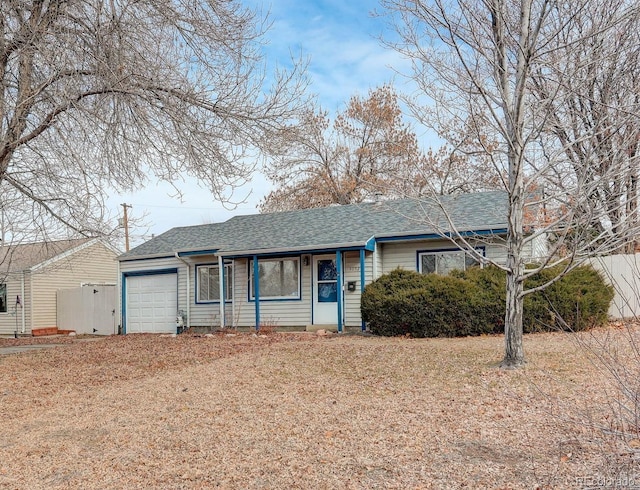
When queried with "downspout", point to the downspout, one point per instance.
{"points": [[256, 292], [22, 313], [234, 320], [339, 287], [223, 296], [188, 288], [118, 327]]}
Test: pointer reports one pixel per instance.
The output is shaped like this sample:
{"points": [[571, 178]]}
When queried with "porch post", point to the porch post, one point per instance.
{"points": [[221, 288], [256, 288], [374, 262], [362, 276], [339, 286]]}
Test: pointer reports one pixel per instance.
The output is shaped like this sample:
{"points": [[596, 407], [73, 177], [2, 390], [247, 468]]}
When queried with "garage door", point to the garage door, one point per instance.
{"points": [[152, 302]]}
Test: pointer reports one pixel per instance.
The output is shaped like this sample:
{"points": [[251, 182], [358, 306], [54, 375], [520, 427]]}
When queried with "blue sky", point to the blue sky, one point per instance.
{"points": [[340, 39]]}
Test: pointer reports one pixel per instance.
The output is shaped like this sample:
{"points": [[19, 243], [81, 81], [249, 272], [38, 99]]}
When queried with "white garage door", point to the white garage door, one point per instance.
{"points": [[152, 302]]}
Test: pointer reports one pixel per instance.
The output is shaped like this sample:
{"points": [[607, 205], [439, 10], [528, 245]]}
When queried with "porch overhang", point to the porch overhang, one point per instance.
{"points": [[299, 250]]}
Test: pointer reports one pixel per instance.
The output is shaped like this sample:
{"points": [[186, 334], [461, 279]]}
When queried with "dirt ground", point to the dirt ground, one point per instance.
{"points": [[302, 411]]}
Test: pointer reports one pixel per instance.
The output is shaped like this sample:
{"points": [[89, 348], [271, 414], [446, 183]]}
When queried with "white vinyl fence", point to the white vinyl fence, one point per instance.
{"points": [[623, 273], [89, 309]]}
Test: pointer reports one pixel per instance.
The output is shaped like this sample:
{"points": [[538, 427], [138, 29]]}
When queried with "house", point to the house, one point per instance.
{"points": [[32, 273], [312, 264]]}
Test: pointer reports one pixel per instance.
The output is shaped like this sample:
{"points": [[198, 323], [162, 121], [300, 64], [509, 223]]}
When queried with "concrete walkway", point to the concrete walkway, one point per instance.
{"points": [[16, 349]]}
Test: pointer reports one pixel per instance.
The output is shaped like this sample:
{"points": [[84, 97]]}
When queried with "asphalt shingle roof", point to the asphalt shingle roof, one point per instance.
{"points": [[16, 258], [333, 226]]}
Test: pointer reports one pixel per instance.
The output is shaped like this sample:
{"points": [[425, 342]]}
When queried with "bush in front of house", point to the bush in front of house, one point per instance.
{"points": [[473, 302], [408, 303], [578, 301]]}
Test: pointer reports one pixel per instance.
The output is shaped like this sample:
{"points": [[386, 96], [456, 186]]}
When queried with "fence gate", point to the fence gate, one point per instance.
{"points": [[90, 309]]}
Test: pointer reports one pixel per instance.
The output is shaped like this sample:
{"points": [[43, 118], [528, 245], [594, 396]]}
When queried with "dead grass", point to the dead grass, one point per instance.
{"points": [[299, 411]]}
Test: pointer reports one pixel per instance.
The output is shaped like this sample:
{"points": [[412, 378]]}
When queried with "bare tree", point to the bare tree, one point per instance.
{"points": [[482, 62], [460, 165], [104, 94], [369, 150], [367, 147], [593, 116]]}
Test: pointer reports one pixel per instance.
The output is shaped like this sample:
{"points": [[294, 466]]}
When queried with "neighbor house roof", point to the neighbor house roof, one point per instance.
{"points": [[25, 256], [333, 227]]}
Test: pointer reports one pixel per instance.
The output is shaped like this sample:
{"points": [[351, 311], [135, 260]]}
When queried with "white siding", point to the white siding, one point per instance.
{"points": [[539, 248]]}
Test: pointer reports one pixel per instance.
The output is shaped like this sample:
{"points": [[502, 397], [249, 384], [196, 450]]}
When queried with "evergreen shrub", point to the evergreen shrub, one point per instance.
{"points": [[473, 302]]}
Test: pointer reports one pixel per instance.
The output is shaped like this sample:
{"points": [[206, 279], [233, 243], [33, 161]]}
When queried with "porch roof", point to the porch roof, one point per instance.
{"points": [[333, 227]]}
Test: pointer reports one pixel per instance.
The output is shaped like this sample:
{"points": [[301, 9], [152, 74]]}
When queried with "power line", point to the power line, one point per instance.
{"points": [[210, 208]]}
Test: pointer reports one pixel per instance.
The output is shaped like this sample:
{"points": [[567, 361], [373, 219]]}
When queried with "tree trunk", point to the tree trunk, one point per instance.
{"points": [[513, 324], [513, 327]]}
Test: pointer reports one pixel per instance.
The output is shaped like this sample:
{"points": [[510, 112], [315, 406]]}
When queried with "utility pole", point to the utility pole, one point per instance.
{"points": [[1, 224], [125, 224]]}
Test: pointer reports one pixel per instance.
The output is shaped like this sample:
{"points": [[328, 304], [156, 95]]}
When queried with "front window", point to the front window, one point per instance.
{"points": [[3, 298], [445, 261], [279, 278], [208, 288]]}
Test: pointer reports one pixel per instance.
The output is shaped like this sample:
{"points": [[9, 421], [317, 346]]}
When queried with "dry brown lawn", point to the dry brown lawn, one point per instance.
{"points": [[300, 411]]}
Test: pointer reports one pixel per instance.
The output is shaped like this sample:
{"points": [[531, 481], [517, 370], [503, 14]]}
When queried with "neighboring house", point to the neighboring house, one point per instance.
{"points": [[313, 264], [32, 273]]}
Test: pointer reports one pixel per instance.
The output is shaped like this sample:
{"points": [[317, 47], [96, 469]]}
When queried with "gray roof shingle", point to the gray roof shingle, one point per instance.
{"points": [[17, 258], [332, 227]]}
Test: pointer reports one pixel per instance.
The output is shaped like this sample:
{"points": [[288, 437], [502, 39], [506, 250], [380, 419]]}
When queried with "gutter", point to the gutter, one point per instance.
{"points": [[188, 288], [294, 250], [22, 312], [444, 235]]}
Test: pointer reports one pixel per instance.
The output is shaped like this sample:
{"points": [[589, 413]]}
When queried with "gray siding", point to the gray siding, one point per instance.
{"points": [[405, 254], [352, 317], [152, 265], [285, 313], [241, 311], [207, 314]]}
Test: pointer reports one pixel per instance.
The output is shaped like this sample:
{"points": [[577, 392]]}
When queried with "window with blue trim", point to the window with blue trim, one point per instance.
{"points": [[445, 261], [208, 287], [279, 278]]}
